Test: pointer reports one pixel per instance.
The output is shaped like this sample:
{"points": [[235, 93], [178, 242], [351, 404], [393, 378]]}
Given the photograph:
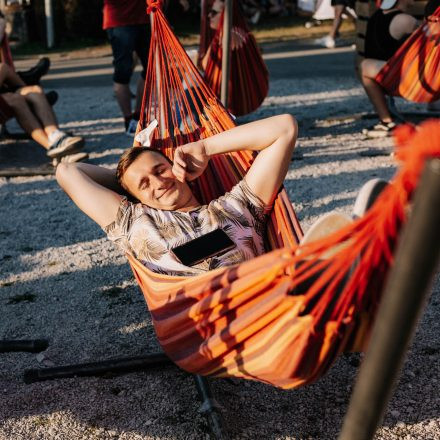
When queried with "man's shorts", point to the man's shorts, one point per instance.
{"points": [[347, 3], [125, 40]]}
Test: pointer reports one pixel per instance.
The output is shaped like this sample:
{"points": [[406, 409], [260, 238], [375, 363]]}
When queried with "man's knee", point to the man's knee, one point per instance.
{"points": [[31, 89]]}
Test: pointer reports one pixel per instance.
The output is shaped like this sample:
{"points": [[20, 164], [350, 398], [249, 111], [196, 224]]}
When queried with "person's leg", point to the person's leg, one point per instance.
{"points": [[369, 69], [9, 77], [122, 40], [35, 96], [60, 143], [339, 10], [26, 118], [142, 47]]}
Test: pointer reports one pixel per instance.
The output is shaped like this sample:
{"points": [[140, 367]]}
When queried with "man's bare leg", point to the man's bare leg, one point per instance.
{"points": [[26, 118], [339, 10], [369, 69], [123, 96], [35, 97], [139, 94]]}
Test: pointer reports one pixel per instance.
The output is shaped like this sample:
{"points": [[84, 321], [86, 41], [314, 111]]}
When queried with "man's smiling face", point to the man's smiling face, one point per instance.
{"points": [[150, 179]]}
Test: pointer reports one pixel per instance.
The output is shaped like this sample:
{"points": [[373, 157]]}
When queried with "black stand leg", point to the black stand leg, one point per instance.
{"points": [[209, 408], [32, 346], [118, 366]]}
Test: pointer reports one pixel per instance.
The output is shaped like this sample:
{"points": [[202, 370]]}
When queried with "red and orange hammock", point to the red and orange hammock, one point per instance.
{"points": [[413, 72], [255, 320], [249, 78]]}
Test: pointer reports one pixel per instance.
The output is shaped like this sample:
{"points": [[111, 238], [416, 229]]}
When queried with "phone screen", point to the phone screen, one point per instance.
{"points": [[209, 245]]}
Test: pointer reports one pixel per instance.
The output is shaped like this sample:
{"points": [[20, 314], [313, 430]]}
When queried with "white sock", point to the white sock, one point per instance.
{"points": [[55, 136]]}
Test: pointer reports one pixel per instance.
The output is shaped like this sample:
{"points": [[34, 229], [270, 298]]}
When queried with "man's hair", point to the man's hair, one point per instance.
{"points": [[130, 156]]}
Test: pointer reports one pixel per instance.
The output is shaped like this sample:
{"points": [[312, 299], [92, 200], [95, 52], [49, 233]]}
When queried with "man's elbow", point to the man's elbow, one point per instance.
{"points": [[62, 173]]}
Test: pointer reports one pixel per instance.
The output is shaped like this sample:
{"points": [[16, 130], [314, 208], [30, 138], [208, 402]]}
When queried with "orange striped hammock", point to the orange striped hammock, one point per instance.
{"points": [[249, 78], [255, 320], [413, 72]]}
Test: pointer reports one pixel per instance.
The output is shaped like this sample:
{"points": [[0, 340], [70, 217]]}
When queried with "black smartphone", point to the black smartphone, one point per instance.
{"points": [[209, 245]]}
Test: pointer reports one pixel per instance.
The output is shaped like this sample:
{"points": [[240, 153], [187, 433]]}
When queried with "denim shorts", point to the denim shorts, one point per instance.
{"points": [[125, 40]]}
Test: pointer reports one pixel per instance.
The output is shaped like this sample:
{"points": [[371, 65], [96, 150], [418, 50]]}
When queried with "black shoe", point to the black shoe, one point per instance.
{"points": [[52, 97], [33, 75]]}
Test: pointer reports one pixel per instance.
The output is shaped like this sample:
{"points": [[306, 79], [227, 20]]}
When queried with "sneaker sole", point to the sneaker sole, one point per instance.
{"points": [[71, 158], [74, 147]]}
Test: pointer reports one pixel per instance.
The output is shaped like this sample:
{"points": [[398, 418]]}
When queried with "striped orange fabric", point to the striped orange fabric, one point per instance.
{"points": [[414, 71], [281, 318], [249, 78]]}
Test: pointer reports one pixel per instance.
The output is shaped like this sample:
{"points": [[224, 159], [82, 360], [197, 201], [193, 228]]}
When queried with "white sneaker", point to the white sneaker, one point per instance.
{"points": [[65, 145], [132, 127], [326, 41]]}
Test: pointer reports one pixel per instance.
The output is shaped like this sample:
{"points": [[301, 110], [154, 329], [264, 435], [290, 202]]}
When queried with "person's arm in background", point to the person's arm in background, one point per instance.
{"points": [[274, 138], [94, 190]]}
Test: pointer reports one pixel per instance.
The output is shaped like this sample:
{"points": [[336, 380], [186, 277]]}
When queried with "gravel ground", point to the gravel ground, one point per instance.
{"points": [[61, 279]]}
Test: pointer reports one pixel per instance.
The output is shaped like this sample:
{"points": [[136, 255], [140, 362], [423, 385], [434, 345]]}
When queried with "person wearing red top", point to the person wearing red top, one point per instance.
{"points": [[126, 24]]}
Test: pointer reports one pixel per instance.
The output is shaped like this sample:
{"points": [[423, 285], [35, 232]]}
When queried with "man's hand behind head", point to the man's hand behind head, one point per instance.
{"points": [[190, 161]]}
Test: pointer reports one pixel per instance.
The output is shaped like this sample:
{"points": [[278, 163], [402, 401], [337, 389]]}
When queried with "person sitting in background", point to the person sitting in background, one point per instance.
{"points": [[387, 29], [29, 105]]}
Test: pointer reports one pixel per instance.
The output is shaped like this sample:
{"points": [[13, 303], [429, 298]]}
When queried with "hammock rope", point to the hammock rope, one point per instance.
{"points": [[413, 71], [249, 78], [257, 320]]}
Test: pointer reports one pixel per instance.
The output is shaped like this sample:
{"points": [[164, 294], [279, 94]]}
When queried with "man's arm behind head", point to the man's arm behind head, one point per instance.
{"points": [[92, 188]]}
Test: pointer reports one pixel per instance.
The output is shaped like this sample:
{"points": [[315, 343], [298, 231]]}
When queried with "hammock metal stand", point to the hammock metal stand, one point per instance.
{"points": [[209, 408], [26, 345], [405, 295]]}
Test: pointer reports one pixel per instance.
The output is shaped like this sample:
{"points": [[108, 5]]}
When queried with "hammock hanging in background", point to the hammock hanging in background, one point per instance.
{"points": [[413, 72], [249, 78], [257, 320]]}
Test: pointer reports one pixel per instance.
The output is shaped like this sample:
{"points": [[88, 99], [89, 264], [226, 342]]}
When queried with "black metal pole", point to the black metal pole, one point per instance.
{"points": [[32, 346], [118, 366], [405, 294], [210, 408]]}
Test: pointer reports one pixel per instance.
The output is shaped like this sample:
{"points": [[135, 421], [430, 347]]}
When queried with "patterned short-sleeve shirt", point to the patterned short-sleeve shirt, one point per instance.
{"points": [[149, 234]]}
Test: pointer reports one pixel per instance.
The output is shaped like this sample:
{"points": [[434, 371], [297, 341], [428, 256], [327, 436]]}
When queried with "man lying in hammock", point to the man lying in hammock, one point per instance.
{"points": [[167, 214]]}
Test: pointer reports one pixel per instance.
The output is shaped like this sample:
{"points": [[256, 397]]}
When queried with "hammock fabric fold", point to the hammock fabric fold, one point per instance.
{"points": [[413, 72], [249, 78], [257, 320]]}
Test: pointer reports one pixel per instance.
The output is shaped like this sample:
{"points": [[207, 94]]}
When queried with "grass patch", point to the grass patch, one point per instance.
{"points": [[25, 297]]}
